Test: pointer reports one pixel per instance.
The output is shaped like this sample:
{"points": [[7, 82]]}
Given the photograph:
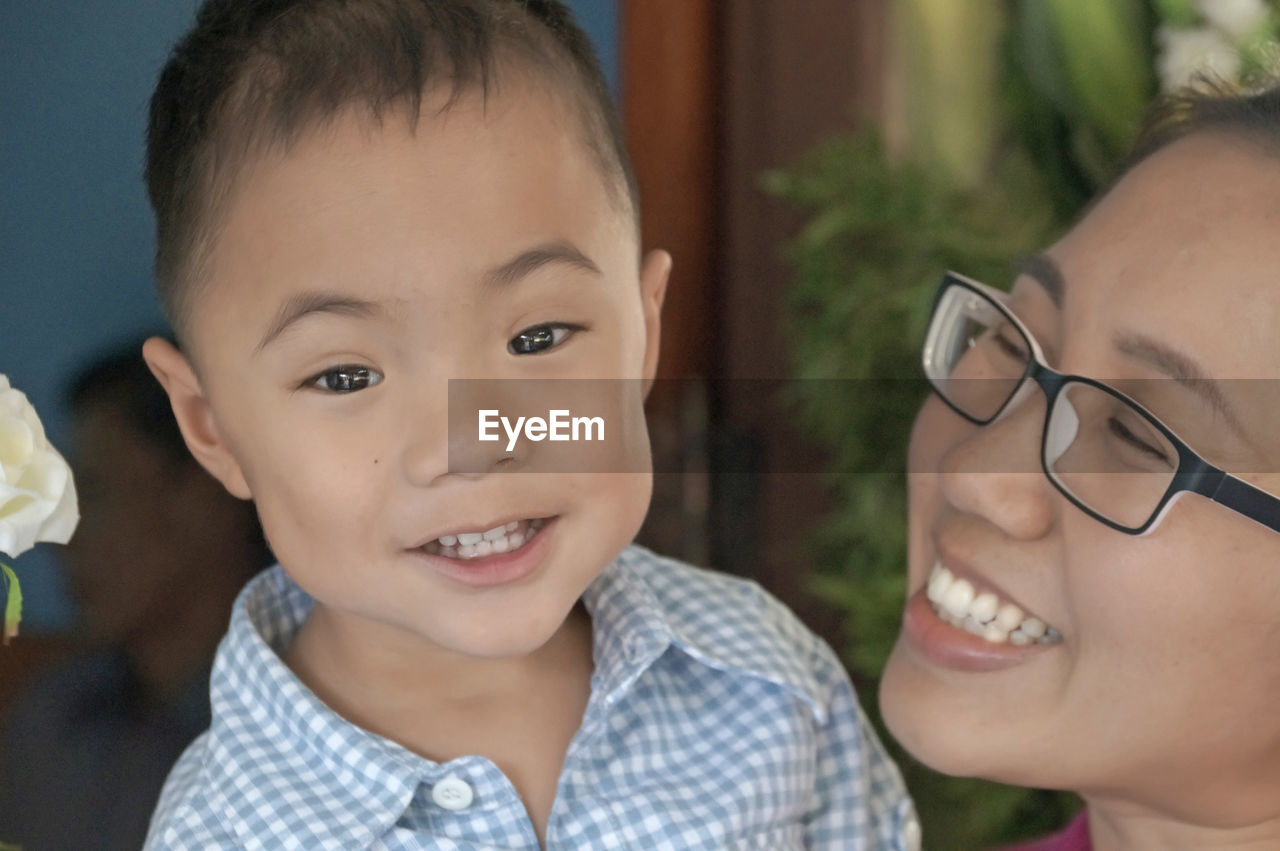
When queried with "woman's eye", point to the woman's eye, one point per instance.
{"points": [[346, 379], [1123, 432], [1010, 344], [540, 338]]}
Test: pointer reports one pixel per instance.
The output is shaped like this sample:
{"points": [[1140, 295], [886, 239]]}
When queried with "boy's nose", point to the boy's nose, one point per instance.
{"points": [[994, 472], [458, 442], [475, 450]]}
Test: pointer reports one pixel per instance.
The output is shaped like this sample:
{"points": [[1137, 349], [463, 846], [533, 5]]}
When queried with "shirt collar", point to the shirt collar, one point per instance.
{"points": [[644, 604], [271, 730]]}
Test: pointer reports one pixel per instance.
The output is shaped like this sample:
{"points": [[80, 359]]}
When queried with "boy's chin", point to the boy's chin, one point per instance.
{"points": [[508, 638]]}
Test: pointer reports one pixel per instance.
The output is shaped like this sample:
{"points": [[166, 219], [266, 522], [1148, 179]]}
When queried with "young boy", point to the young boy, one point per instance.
{"points": [[357, 201]]}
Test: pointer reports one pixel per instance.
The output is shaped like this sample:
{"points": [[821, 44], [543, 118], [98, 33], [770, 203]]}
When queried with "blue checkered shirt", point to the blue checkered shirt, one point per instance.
{"points": [[716, 721]]}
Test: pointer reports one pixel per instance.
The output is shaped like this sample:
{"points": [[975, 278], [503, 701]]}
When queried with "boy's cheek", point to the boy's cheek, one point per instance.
{"points": [[617, 505]]}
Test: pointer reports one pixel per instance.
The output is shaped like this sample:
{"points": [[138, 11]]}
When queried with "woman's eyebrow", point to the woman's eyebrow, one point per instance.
{"points": [[307, 303], [1042, 269], [1182, 369]]}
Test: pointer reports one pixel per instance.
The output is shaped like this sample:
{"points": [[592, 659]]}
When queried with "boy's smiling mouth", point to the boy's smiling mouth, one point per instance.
{"points": [[504, 538]]}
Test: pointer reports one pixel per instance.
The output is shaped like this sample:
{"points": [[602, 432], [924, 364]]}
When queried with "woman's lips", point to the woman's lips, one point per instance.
{"points": [[956, 648], [970, 603]]}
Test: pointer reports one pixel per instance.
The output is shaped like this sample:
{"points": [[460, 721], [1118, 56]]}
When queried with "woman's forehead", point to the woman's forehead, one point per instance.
{"points": [[1186, 246]]}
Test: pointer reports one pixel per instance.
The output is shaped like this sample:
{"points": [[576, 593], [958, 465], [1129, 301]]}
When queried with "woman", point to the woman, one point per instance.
{"points": [[1094, 558]]}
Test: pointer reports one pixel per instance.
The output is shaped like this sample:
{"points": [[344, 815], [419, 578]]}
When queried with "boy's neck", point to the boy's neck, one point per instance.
{"points": [[520, 713], [372, 673]]}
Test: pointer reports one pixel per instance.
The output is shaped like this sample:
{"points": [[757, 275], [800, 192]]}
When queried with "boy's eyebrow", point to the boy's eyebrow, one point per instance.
{"points": [[307, 303], [527, 262], [522, 265]]}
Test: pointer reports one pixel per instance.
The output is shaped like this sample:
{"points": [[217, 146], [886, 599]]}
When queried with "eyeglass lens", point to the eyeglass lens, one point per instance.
{"points": [[1099, 449]]}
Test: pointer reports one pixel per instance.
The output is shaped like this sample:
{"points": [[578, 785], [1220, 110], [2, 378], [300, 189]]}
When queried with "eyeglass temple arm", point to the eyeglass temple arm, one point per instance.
{"points": [[1254, 503]]}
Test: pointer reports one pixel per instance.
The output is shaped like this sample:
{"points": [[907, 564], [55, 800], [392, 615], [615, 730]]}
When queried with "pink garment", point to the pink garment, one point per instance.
{"points": [[1074, 838]]}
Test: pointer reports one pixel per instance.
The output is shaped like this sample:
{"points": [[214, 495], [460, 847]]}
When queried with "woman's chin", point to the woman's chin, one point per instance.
{"points": [[934, 726]]}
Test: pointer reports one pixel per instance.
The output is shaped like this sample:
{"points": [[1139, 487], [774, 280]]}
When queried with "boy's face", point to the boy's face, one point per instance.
{"points": [[352, 278]]}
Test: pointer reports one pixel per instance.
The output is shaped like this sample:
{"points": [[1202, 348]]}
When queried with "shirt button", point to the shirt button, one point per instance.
{"points": [[452, 793], [634, 650]]}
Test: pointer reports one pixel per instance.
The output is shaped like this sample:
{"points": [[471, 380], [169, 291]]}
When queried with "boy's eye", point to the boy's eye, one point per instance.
{"points": [[345, 379], [540, 338]]}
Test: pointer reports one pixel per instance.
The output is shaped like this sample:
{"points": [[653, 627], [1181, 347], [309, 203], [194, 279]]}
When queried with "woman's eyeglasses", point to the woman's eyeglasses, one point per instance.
{"points": [[1105, 452]]}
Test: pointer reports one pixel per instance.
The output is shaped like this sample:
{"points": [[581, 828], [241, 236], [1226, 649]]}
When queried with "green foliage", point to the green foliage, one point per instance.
{"points": [[12, 600], [1181, 13], [1108, 79], [866, 269]]}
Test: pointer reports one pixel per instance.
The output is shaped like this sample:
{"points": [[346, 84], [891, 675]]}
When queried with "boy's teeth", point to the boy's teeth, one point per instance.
{"points": [[500, 539], [959, 604]]}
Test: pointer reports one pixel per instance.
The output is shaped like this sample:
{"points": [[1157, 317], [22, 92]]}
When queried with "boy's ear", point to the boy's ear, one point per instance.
{"points": [[195, 418], [654, 274]]}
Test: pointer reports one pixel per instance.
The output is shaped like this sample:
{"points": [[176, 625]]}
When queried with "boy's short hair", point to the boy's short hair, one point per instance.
{"points": [[252, 75]]}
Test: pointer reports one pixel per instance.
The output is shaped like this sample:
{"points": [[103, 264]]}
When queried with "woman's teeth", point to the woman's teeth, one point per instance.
{"points": [[499, 539], [984, 614]]}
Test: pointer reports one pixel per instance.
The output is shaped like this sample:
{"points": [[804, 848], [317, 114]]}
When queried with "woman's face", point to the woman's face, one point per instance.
{"points": [[1164, 690]]}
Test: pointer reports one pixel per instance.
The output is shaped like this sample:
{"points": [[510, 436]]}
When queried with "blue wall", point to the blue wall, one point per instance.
{"points": [[75, 229]]}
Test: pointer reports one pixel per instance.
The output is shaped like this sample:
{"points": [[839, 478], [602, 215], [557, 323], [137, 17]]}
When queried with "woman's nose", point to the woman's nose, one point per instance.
{"points": [[994, 471]]}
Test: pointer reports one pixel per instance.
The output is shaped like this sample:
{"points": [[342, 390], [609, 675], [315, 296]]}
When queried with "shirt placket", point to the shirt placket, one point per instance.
{"points": [[471, 802]]}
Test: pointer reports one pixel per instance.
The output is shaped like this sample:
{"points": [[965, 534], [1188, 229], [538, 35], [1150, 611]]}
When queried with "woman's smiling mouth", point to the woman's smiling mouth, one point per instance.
{"points": [[959, 622], [984, 613]]}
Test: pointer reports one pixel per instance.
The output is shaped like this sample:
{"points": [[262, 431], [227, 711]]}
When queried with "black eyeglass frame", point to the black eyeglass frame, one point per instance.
{"points": [[1193, 475]]}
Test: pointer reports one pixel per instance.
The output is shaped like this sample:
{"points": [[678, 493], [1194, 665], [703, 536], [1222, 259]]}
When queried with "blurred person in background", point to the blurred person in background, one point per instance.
{"points": [[161, 551]]}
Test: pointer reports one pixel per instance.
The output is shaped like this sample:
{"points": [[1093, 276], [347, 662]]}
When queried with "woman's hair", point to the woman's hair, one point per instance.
{"points": [[1210, 106]]}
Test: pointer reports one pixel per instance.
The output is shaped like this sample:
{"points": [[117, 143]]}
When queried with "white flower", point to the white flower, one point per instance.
{"points": [[1236, 18], [1186, 52], [37, 494]]}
